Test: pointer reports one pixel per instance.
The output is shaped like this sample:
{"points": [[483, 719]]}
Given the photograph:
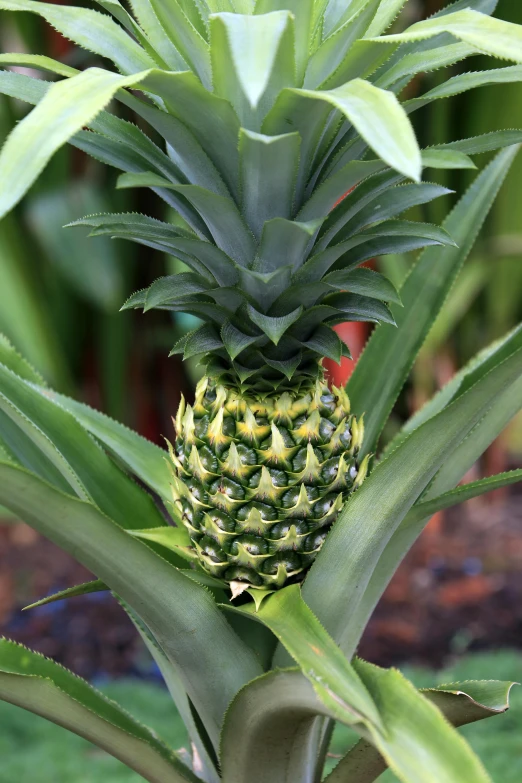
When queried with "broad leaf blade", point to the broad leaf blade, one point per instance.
{"points": [[380, 120], [29, 680]]}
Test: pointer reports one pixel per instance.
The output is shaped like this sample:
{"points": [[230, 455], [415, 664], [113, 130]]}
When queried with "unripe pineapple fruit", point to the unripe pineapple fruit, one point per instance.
{"points": [[260, 480]]}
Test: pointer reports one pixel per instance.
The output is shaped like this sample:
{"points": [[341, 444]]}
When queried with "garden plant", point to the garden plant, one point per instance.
{"points": [[251, 552]]}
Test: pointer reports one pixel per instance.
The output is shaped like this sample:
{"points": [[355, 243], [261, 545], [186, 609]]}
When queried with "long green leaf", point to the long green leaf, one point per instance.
{"points": [[90, 30], [205, 764], [180, 614], [65, 109], [490, 36], [387, 359], [95, 586], [185, 38], [338, 579], [275, 717], [29, 680], [379, 119], [319, 658], [467, 81], [461, 494], [84, 465]]}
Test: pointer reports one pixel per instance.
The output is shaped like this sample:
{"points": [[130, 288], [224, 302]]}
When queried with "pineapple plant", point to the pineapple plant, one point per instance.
{"points": [[278, 132]]}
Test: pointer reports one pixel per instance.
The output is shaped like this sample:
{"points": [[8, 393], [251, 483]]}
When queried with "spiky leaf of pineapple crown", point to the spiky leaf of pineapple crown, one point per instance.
{"points": [[272, 111]]}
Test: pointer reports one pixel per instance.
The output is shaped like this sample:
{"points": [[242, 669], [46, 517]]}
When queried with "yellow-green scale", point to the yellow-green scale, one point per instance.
{"points": [[259, 482]]}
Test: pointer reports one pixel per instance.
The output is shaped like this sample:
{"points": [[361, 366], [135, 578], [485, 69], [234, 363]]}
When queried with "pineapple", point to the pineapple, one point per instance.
{"points": [[259, 479], [289, 161]]}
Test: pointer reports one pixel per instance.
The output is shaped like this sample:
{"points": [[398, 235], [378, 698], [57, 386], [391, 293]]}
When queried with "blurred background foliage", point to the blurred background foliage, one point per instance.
{"points": [[60, 294]]}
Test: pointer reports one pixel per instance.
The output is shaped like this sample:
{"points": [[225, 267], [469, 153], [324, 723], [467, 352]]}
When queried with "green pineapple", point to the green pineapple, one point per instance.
{"points": [[271, 112], [260, 479]]}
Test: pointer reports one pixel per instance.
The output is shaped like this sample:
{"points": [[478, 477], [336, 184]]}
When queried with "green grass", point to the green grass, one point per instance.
{"points": [[34, 751]]}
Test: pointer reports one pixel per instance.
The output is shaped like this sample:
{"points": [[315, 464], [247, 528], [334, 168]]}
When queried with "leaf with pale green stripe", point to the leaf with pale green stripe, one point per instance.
{"points": [[265, 198], [38, 61], [180, 614], [303, 11], [325, 64], [150, 24], [90, 30], [380, 120], [321, 661], [490, 36], [29, 680], [252, 60], [67, 106], [465, 82], [386, 361], [418, 744], [186, 39]]}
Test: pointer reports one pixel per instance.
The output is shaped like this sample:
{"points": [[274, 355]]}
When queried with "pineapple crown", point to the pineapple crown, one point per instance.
{"points": [[288, 158]]}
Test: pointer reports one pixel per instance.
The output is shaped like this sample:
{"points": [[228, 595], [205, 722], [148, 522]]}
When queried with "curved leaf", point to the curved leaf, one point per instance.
{"points": [[379, 119], [180, 613], [96, 586], [29, 680], [90, 30]]}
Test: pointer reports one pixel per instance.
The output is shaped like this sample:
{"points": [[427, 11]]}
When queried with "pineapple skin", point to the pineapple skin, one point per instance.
{"points": [[260, 481]]}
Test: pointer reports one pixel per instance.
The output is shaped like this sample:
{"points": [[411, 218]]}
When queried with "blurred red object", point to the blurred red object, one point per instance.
{"points": [[354, 335]]}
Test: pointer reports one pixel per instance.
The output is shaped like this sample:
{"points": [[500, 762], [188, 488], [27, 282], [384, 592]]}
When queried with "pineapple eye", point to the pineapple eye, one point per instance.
{"points": [[229, 426], [315, 541], [323, 506], [253, 544], [289, 560], [353, 472], [239, 574], [326, 430], [222, 521], [299, 461], [227, 487], [197, 491], [330, 470], [208, 459], [212, 550], [346, 436], [281, 529], [268, 514], [192, 517], [299, 421], [291, 497], [201, 427], [328, 399], [246, 455], [279, 478]]}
